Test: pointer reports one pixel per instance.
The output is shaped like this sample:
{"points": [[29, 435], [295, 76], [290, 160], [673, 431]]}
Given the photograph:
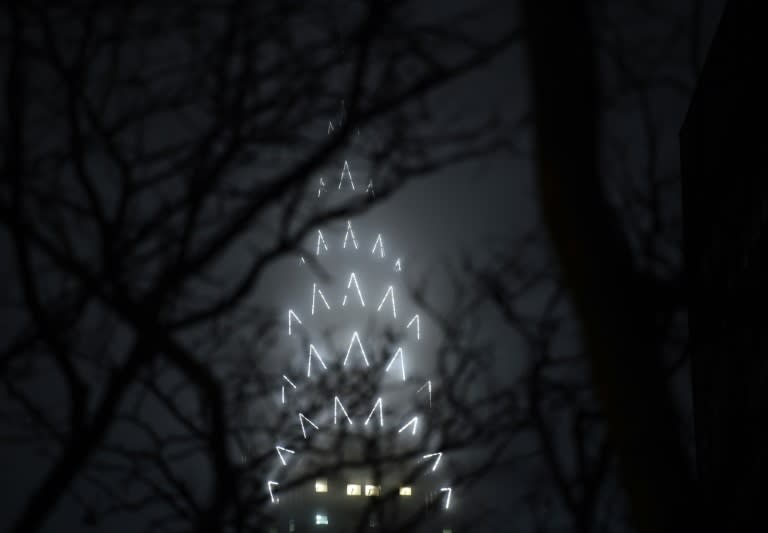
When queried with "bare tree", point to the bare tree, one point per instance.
{"points": [[155, 162]]}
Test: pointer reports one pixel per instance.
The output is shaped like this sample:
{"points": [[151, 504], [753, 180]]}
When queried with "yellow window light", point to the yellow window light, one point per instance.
{"points": [[405, 491], [321, 485], [354, 489]]}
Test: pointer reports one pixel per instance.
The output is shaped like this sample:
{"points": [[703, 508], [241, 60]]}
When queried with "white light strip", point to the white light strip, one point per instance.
{"points": [[283, 394], [381, 413], [414, 421], [336, 402], [315, 290], [281, 449], [289, 381], [398, 265], [302, 418], [349, 174], [448, 499], [270, 484], [398, 353], [380, 245], [355, 336], [320, 240], [418, 326], [349, 233], [312, 350], [391, 293], [437, 461], [428, 384], [353, 278], [291, 317]]}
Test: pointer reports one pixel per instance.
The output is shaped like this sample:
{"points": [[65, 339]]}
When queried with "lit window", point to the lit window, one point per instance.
{"points": [[321, 485], [321, 520], [372, 490], [353, 490], [405, 491]]}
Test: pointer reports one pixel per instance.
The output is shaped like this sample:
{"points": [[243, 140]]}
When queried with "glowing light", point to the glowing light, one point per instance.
{"points": [[321, 520], [283, 394], [348, 234], [322, 188], [405, 491], [337, 402], [289, 381], [437, 461], [312, 350], [428, 385], [373, 490], [330, 127], [355, 337], [271, 484], [321, 485], [398, 353], [369, 188], [391, 293], [349, 175], [448, 499], [291, 317], [418, 326], [302, 418], [381, 413], [354, 489], [302, 260], [413, 421], [286, 450], [398, 266], [353, 278], [316, 291], [320, 241], [380, 245]]}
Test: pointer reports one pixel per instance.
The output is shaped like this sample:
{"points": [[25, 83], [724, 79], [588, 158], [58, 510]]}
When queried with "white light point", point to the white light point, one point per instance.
{"points": [[312, 350], [355, 337], [291, 317], [398, 265], [399, 353], [286, 450], [414, 422], [437, 461], [380, 245], [316, 291], [369, 189], [418, 325], [349, 175], [428, 385], [302, 260], [302, 418], [337, 402], [348, 234], [381, 413], [353, 278], [271, 484], [320, 241], [391, 293], [448, 499]]}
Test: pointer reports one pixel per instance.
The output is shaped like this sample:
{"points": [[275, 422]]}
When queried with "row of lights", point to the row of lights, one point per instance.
{"points": [[355, 489]]}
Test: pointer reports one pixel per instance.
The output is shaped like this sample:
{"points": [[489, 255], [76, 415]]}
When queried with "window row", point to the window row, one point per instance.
{"points": [[355, 489]]}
